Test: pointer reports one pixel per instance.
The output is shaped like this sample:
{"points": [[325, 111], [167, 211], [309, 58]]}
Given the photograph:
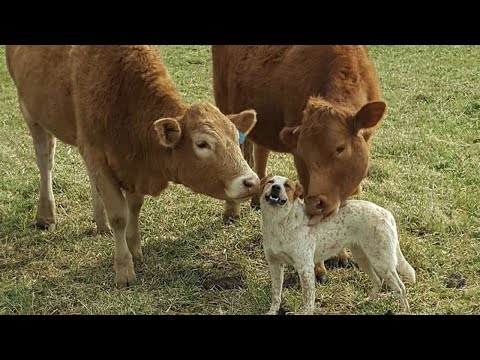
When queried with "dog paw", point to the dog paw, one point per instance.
{"points": [[321, 278]]}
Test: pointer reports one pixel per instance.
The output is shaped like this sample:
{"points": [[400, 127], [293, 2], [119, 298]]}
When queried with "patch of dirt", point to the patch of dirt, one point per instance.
{"points": [[291, 280], [223, 282], [455, 281]]}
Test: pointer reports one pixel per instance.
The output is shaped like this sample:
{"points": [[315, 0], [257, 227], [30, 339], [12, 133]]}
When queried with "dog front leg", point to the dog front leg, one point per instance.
{"points": [[307, 282], [276, 275]]}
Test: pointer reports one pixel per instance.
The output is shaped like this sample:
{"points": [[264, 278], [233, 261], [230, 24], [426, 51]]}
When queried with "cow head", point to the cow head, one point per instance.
{"points": [[206, 153], [329, 141]]}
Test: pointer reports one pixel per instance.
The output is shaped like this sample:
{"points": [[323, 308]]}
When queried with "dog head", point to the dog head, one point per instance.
{"points": [[280, 191]]}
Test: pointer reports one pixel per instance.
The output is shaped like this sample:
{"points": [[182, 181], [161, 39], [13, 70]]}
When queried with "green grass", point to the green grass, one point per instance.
{"points": [[424, 167]]}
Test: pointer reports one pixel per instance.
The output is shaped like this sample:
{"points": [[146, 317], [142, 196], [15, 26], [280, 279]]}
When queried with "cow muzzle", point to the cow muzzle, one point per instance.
{"points": [[320, 205], [243, 187]]}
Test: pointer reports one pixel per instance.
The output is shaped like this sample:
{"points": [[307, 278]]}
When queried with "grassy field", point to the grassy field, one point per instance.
{"points": [[425, 168]]}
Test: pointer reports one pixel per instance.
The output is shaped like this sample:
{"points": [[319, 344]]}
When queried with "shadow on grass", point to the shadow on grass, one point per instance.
{"points": [[184, 261]]}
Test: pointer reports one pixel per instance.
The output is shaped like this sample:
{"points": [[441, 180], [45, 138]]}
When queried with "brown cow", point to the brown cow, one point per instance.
{"points": [[120, 107], [320, 103]]}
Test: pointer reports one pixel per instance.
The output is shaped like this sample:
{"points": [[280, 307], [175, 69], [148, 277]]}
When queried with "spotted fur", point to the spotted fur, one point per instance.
{"points": [[367, 229]]}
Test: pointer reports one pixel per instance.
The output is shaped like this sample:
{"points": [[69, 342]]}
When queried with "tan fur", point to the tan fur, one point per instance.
{"points": [[134, 132], [312, 101], [294, 190], [317, 88]]}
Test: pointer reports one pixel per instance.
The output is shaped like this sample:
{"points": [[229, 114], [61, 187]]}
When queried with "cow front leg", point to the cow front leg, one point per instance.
{"points": [[134, 203], [260, 155], [117, 214]]}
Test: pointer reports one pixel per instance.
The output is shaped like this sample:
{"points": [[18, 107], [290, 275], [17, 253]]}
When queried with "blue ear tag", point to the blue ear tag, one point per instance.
{"points": [[241, 137]]}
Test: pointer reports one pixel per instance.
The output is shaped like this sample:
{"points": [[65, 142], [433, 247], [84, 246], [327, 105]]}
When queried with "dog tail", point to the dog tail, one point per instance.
{"points": [[403, 267]]}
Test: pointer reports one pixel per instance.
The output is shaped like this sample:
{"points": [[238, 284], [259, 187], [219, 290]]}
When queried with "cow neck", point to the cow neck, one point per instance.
{"points": [[163, 158]]}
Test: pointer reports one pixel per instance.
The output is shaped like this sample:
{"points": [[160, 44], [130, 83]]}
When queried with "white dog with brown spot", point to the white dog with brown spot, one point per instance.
{"points": [[367, 229]]}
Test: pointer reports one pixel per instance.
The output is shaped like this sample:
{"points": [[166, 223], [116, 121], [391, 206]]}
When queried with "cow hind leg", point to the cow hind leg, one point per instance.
{"points": [[99, 214], [321, 272], [44, 144]]}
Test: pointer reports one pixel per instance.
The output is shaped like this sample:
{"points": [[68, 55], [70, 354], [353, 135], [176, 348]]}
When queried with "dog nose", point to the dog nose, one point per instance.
{"points": [[276, 188], [251, 182]]}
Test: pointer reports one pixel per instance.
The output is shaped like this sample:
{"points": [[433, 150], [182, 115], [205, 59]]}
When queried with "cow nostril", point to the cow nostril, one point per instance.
{"points": [[248, 183]]}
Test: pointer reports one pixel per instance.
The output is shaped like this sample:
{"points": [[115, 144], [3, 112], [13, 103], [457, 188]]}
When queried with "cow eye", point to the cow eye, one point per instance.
{"points": [[202, 144], [340, 149]]}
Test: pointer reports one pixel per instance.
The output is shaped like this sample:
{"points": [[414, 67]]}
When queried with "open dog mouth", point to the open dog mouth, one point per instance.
{"points": [[272, 200]]}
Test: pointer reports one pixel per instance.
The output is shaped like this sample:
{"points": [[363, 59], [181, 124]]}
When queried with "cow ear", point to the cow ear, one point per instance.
{"points": [[369, 115], [298, 191], [169, 132], [289, 137], [244, 121]]}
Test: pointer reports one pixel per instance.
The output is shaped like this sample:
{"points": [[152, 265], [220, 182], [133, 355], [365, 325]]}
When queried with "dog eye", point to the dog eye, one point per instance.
{"points": [[287, 186], [202, 144], [270, 182]]}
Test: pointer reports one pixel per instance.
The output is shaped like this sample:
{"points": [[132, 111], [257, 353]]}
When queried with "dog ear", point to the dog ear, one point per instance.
{"points": [[263, 182], [298, 191]]}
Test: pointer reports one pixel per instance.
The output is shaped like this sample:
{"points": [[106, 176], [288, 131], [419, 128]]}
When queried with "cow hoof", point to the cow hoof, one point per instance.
{"points": [[321, 278], [125, 275], [229, 219], [343, 263], [137, 256], [43, 225], [255, 203], [125, 281], [104, 230], [337, 262]]}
